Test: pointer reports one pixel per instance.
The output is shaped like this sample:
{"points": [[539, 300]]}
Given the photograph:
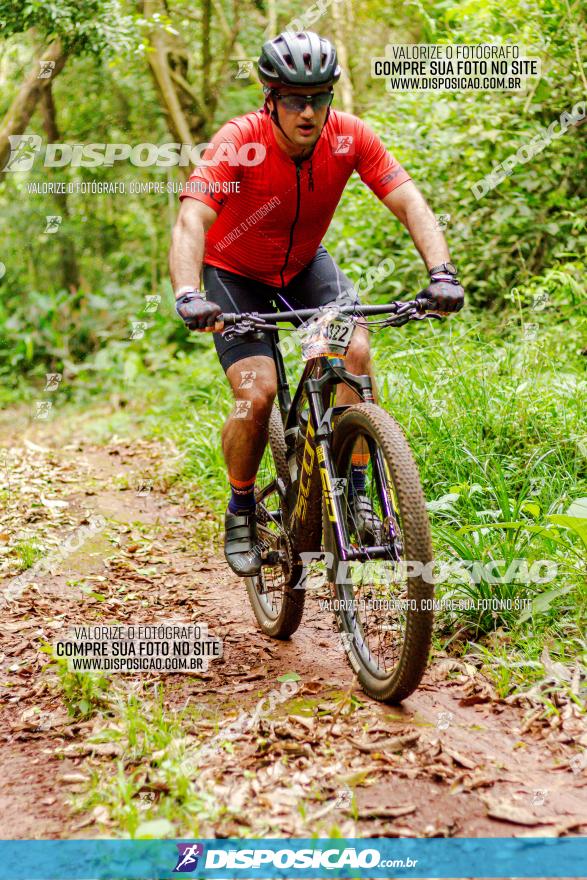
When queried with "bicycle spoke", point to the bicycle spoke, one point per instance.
{"points": [[378, 621]]}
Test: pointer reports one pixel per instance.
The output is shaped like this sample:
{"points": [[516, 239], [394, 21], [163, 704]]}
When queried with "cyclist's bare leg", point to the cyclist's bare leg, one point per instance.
{"points": [[244, 439]]}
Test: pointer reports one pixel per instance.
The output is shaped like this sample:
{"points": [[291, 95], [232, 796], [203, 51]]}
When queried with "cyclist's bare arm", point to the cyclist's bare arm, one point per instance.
{"points": [[187, 243], [411, 208]]}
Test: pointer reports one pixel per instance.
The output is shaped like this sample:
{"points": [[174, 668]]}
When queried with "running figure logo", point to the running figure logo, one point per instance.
{"points": [[188, 855], [23, 149], [344, 145]]}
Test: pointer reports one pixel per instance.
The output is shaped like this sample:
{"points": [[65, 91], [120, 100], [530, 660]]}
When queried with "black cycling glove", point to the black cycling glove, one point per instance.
{"points": [[443, 294], [196, 312]]}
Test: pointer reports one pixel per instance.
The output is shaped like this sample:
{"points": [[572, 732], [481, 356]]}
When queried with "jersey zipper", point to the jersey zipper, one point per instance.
{"points": [[295, 220]]}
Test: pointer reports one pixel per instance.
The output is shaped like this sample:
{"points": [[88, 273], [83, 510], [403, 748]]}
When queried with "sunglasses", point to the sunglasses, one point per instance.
{"points": [[298, 103]]}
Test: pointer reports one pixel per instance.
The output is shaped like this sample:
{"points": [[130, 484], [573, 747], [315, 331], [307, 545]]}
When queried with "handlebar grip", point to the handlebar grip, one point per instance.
{"points": [[218, 326]]}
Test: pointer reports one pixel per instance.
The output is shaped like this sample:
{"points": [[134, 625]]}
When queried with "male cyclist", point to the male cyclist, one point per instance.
{"points": [[249, 232]]}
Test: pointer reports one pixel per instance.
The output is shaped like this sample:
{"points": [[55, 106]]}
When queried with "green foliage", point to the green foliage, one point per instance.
{"points": [[95, 26], [450, 141], [150, 736], [496, 417], [84, 693]]}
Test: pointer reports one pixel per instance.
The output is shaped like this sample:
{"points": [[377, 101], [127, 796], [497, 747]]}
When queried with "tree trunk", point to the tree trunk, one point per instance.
{"points": [[190, 108], [69, 267], [168, 60], [206, 56], [22, 108], [346, 86], [271, 19]]}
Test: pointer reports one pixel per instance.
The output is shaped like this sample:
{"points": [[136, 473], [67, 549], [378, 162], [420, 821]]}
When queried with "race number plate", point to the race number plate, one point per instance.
{"points": [[329, 333]]}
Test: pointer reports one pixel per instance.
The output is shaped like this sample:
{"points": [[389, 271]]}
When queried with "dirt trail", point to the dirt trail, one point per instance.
{"points": [[466, 763]]}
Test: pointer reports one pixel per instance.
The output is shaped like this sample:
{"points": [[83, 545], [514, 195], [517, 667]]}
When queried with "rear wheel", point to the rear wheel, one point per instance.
{"points": [[277, 604], [382, 606]]}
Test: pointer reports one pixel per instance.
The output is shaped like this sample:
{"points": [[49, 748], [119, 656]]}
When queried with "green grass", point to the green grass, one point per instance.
{"points": [[153, 776], [84, 693], [28, 553], [497, 424]]}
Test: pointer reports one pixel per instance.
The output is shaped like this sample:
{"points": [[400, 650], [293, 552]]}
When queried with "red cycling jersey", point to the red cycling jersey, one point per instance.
{"points": [[273, 215]]}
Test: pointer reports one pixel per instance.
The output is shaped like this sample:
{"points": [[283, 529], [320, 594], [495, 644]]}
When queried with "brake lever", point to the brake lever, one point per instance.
{"points": [[425, 315], [406, 313], [248, 322], [231, 332], [401, 316], [405, 308]]}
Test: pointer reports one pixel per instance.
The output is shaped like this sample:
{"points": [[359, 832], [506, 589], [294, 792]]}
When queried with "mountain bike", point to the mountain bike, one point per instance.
{"points": [[307, 507]]}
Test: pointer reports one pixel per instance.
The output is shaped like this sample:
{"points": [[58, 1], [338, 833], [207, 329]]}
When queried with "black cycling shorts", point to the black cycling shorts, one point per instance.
{"points": [[319, 283]]}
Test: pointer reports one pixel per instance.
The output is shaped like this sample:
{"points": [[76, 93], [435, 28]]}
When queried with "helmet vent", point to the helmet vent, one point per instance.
{"points": [[303, 58]]}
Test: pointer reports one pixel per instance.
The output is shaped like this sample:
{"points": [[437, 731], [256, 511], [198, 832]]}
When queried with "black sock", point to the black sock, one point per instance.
{"points": [[242, 496], [358, 479]]}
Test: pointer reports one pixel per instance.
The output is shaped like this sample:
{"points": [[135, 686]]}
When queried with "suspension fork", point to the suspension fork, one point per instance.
{"points": [[383, 481], [320, 390]]}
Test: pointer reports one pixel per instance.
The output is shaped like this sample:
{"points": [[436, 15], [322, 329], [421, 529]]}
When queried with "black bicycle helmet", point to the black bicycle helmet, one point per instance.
{"points": [[298, 59]]}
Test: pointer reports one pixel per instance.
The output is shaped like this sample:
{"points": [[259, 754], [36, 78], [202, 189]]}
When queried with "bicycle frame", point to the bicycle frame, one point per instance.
{"points": [[317, 446]]}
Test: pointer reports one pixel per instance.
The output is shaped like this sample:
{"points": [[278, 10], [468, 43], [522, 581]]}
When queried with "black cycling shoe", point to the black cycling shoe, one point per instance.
{"points": [[363, 520], [241, 546]]}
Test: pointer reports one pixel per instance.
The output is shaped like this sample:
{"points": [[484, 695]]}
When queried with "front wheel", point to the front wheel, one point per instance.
{"points": [[383, 606]]}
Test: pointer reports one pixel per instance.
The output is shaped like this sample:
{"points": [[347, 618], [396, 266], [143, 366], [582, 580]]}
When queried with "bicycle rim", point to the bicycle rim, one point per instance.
{"points": [[384, 625]]}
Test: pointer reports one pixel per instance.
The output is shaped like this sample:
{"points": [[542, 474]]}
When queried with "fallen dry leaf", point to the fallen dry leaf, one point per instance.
{"points": [[89, 820], [458, 758], [34, 447], [53, 503], [398, 831], [107, 749], [509, 812], [73, 778], [554, 830], [387, 812], [101, 813], [313, 687], [393, 744]]}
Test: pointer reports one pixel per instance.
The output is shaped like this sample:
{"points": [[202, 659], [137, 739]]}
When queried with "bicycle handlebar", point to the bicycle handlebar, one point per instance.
{"points": [[404, 312], [304, 314]]}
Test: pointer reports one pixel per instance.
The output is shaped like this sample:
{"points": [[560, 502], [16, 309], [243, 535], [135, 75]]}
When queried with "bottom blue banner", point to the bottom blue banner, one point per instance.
{"points": [[293, 858]]}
